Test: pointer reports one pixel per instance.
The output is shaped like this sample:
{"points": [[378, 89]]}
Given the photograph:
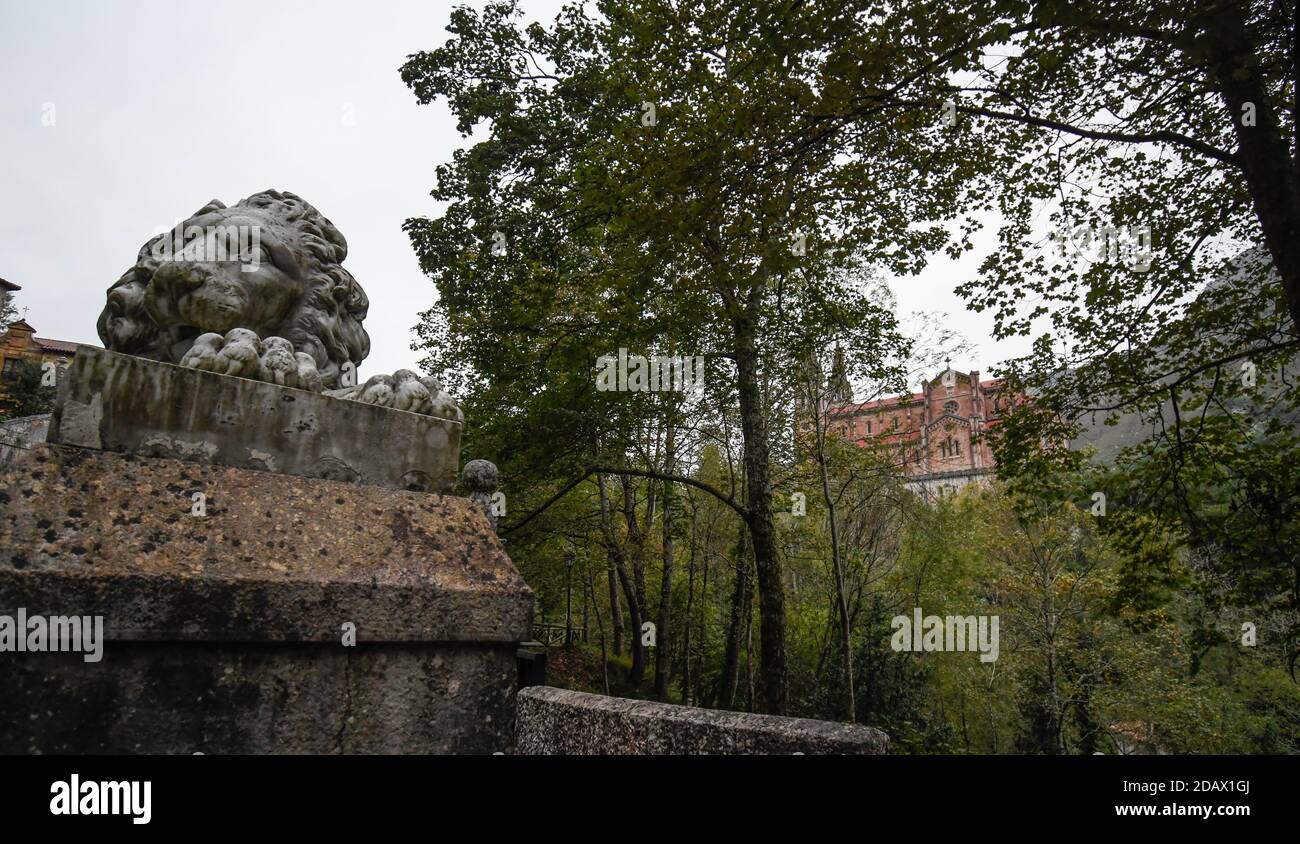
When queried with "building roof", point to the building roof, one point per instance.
{"points": [[899, 401], [876, 404], [56, 345], [45, 344], [9, 285]]}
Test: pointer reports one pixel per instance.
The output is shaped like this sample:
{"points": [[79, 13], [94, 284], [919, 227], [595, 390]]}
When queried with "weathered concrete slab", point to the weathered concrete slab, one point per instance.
{"points": [[225, 632], [275, 558], [123, 403], [165, 698], [20, 433], [552, 721]]}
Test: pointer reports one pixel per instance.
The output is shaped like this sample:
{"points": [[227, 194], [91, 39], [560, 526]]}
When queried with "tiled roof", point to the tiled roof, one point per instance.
{"points": [[56, 345], [880, 404]]}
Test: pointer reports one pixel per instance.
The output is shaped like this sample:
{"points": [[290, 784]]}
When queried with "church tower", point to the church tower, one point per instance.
{"points": [[839, 390]]}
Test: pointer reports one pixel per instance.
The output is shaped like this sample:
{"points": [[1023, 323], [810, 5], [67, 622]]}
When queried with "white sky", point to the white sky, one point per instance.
{"points": [[162, 106]]}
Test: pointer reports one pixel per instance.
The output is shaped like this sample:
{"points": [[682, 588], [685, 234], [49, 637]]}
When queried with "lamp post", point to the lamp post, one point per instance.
{"points": [[568, 599]]}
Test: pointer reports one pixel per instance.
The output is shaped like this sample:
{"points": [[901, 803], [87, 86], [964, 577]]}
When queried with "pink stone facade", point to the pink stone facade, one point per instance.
{"points": [[937, 431]]}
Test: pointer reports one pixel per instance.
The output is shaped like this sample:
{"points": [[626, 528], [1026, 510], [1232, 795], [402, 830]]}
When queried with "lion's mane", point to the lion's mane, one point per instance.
{"points": [[325, 321]]}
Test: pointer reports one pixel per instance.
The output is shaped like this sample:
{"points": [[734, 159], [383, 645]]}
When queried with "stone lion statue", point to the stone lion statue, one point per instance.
{"points": [[297, 290], [258, 290]]}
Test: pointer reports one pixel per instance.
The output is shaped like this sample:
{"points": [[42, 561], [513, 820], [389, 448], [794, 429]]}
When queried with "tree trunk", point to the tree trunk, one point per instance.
{"points": [[663, 643], [600, 627], [1262, 150], [749, 657], [701, 693], [741, 597], [690, 609], [616, 557], [758, 486], [849, 713], [637, 536], [633, 594], [587, 598], [615, 607]]}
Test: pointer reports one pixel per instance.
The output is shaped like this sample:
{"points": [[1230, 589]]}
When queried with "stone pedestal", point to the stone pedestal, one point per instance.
{"points": [[225, 615], [128, 404]]}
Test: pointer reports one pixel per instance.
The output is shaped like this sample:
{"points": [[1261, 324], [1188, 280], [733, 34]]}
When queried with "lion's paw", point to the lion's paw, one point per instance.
{"points": [[309, 377], [242, 353], [403, 390], [204, 354], [409, 394], [278, 364], [237, 353]]}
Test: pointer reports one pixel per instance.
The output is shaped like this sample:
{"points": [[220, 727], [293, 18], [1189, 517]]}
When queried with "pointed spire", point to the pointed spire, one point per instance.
{"points": [[809, 384], [841, 391]]}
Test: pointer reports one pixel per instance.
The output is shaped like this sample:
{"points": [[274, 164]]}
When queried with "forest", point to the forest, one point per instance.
{"points": [[739, 184]]}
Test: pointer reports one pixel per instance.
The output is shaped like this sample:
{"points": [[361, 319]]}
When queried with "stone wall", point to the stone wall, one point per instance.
{"points": [[933, 487], [239, 697], [558, 721], [225, 631], [23, 432], [122, 403]]}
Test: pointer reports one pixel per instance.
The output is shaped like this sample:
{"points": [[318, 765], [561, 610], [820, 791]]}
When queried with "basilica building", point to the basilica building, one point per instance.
{"points": [[936, 433]]}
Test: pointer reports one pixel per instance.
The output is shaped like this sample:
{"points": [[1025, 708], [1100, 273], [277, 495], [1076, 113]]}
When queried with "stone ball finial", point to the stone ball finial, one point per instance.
{"points": [[481, 478]]}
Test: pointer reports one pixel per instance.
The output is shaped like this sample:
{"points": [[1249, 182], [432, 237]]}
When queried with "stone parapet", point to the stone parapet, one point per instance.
{"points": [[553, 721], [225, 623], [122, 403]]}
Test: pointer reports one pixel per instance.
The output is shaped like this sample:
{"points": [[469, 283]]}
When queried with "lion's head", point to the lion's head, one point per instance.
{"points": [[286, 280]]}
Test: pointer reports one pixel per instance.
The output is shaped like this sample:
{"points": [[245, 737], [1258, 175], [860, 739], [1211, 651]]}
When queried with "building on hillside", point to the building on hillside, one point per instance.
{"points": [[20, 343], [936, 433]]}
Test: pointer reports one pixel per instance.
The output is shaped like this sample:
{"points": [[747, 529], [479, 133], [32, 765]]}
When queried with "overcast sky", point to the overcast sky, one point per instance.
{"points": [[159, 107]]}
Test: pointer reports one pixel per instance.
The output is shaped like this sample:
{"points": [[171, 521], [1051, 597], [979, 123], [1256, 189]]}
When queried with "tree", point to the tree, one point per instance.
{"points": [[1158, 141], [1184, 105], [660, 166], [8, 311], [26, 393], [663, 648]]}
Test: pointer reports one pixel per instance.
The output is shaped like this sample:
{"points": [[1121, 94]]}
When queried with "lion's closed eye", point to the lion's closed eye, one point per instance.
{"points": [[279, 255], [122, 301]]}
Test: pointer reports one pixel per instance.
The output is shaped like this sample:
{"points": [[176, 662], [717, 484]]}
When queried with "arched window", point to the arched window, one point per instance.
{"points": [[950, 407]]}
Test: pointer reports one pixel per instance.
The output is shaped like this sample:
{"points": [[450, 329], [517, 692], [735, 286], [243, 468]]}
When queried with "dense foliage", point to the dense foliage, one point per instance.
{"points": [[731, 181]]}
